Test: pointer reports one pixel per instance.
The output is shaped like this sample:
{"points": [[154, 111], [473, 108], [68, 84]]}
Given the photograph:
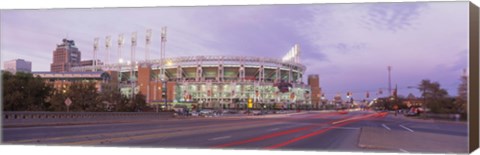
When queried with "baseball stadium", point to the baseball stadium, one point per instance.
{"points": [[210, 81]]}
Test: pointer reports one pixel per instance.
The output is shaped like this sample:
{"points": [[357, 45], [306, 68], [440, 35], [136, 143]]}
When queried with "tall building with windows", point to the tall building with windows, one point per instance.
{"points": [[65, 57], [314, 83], [18, 65]]}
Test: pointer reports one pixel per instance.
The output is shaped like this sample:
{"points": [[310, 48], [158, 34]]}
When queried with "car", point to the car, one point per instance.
{"points": [[410, 113], [414, 111], [194, 114]]}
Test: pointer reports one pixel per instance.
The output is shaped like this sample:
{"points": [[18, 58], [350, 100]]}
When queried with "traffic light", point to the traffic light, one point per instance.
{"points": [[250, 104]]}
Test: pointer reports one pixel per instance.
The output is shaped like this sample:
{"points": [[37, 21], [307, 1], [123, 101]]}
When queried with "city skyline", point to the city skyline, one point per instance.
{"points": [[413, 38]]}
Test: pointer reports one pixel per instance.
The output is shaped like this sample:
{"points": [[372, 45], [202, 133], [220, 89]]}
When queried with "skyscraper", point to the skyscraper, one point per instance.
{"points": [[18, 65], [65, 57]]}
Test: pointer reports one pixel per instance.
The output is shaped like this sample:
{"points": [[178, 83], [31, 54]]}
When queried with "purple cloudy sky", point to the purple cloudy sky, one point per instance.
{"points": [[348, 45]]}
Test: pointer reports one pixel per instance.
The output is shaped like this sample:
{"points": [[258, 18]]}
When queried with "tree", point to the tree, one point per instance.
{"points": [[140, 102], [23, 92], [436, 98], [112, 98], [461, 99], [84, 97], [57, 101], [123, 105]]}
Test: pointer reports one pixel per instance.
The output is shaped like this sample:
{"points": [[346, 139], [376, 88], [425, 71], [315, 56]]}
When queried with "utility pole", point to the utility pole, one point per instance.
{"points": [[389, 80]]}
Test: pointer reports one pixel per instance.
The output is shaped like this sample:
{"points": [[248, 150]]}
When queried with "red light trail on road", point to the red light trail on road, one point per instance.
{"points": [[281, 133], [344, 122]]}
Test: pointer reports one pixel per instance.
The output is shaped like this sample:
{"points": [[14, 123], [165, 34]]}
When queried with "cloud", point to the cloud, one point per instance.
{"points": [[348, 45], [392, 16], [359, 41]]}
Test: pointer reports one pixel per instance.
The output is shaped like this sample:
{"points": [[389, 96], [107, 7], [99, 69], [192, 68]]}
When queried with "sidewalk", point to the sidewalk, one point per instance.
{"points": [[428, 120], [380, 138]]}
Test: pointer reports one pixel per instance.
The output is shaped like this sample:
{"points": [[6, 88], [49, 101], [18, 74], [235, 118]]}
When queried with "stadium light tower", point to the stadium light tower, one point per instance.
{"points": [[132, 62], [120, 44], [107, 48], [148, 38], [95, 48], [163, 42]]}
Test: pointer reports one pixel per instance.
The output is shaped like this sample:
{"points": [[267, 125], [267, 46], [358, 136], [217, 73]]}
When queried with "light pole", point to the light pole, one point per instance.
{"points": [[164, 92], [389, 80]]}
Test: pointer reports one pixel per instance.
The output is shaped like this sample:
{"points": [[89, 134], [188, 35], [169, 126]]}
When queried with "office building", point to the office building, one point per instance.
{"points": [[18, 65], [65, 56]]}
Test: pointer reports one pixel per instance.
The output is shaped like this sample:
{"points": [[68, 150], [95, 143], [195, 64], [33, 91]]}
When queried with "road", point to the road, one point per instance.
{"points": [[353, 131]]}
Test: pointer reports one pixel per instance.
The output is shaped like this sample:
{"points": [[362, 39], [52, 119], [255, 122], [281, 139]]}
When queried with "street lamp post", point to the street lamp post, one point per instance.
{"points": [[164, 91]]}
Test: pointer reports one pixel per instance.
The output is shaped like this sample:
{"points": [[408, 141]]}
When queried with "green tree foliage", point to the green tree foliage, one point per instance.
{"points": [[112, 100], [57, 101], [124, 104], [140, 102], [461, 100], [84, 96], [23, 92], [436, 98]]}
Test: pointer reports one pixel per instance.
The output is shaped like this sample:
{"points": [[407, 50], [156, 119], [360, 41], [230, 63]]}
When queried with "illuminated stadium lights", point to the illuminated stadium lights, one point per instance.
{"points": [[293, 55], [211, 81], [169, 63]]}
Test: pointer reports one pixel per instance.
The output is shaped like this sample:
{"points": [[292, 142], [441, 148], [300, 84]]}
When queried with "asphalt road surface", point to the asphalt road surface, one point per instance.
{"points": [[319, 131]]}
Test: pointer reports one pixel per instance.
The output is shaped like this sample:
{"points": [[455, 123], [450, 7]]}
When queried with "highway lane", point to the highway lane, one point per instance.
{"points": [[302, 131], [288, 126], [22, 133], [13, 135]]}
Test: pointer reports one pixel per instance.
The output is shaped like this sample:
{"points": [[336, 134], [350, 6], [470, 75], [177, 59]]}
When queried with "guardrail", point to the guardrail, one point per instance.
{"points": [[11, 116]]}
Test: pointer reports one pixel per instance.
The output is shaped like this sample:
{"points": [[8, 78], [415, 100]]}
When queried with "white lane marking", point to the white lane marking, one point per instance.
{"points": [[274, 129], [406, 128], [404, 150], [218, 138], [386, 127]]}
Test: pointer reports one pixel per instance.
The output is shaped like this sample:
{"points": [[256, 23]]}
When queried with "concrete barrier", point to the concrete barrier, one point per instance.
{"points": [[10, 116]]}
